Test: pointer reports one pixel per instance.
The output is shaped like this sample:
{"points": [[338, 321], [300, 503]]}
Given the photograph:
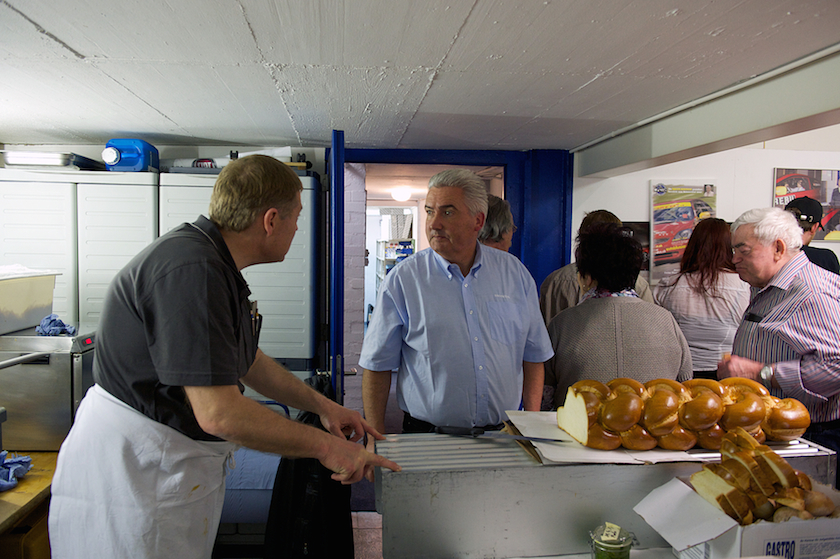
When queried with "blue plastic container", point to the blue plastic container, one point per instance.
{"points": [[130, 155]]}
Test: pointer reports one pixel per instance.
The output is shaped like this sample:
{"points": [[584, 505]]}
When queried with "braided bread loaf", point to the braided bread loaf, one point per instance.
{"points": [[752, 482], [676, 416]]}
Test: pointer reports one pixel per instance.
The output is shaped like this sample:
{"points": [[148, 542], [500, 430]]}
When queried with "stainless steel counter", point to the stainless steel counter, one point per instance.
{"points": [[471, 498], [42, 385]]}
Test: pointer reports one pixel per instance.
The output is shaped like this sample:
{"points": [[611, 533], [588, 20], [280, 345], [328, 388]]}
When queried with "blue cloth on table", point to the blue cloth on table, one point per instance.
{"points": [[11, 469], [51, 325]]}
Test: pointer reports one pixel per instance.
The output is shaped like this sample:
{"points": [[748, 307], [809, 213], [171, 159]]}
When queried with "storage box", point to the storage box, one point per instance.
{"points": [[698, 530], [26, 297]]}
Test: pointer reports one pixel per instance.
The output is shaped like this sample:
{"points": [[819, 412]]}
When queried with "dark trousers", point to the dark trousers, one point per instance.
{"points": [[414, 425], [827, 434]]}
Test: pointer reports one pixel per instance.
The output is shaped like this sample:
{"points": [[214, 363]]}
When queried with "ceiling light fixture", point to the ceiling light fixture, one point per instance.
{"points": [[401, 193]]}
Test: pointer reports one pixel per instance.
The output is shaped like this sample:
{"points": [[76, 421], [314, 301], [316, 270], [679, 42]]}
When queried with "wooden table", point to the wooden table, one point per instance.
{"points": [[31, 490]]}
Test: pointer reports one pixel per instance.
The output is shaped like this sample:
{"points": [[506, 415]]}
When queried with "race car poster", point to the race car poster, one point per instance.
{"points": [[821, 185], [676, 209]]}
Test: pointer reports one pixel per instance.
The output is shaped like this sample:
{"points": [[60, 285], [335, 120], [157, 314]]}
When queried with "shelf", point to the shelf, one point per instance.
{"points": [[388, 254]]}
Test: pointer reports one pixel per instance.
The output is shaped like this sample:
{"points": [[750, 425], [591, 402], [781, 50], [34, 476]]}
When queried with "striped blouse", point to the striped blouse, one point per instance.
{"points": [[794, 323]]}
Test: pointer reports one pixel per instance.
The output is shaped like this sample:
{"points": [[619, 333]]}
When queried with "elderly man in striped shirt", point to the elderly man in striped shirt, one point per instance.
{"points": [[789, 338]]}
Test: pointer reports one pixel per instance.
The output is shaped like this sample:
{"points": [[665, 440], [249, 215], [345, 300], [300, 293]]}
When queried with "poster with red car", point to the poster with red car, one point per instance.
{"points": [[821, 185], [676, 209]]}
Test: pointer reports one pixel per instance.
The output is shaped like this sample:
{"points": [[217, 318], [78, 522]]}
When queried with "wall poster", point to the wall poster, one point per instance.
{"points": [[821, 185], [676, 209]]}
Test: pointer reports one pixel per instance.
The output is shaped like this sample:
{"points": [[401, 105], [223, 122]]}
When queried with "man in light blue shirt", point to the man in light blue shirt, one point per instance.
{"points": [[460, 322]]}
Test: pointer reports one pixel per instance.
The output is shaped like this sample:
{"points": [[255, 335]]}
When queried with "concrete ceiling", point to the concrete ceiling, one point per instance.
{"points": [[456, 74]]}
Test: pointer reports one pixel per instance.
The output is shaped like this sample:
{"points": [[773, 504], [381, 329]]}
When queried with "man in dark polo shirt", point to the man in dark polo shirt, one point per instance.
{"points": [[808, 214], [141, 473]]}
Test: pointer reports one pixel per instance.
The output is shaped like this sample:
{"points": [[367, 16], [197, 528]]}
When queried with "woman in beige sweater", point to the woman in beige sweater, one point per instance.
{"points": [[612, 333]]}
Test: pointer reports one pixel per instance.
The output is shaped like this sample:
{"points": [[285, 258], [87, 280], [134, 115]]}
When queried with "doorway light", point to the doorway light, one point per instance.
{"points": [[401, 193]]}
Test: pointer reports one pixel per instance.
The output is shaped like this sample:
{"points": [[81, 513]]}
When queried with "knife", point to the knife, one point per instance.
{"points": [[478, 432]]}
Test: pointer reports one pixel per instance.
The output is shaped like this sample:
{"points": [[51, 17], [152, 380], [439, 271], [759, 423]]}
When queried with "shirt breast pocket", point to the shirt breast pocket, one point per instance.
{"points": [[506, 319]]}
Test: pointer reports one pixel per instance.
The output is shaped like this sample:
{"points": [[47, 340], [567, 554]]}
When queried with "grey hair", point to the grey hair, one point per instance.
{"points": [[499, 220], [771, 224], [475, 192]]}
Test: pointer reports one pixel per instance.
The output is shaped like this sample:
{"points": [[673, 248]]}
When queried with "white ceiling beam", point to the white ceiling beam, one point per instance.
{"points": [[804, 98]]}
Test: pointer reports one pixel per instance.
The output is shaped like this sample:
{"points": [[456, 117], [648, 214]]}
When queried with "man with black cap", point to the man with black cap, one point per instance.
{"points": [[808, 214]]}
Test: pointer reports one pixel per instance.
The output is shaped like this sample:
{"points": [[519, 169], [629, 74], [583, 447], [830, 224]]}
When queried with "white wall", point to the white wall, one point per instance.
{"points": [[744, 179], [354, 262]]}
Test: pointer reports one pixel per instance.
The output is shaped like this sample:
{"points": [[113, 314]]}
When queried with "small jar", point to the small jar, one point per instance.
{"points": [[610, 541]]}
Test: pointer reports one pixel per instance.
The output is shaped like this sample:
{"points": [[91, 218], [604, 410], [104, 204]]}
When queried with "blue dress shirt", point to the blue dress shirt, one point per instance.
{"points": [[457, 342]]}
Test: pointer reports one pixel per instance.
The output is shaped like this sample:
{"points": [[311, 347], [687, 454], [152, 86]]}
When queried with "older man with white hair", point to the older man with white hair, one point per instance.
{"points": [[789, 338], [459, 321]]}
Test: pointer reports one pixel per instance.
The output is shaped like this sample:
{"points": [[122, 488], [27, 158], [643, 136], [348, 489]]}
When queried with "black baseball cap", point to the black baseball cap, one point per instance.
{"points": [[810, 210]]}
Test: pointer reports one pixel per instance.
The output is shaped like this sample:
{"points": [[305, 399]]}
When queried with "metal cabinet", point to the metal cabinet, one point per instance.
{"points": [[117, 218], [86, 225], [38, 230]]}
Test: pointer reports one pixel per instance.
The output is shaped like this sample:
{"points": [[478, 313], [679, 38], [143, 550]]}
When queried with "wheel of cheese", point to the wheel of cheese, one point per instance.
{"points": [[625, 385], [678, 439], [787, 420], [637, 438], [661, 412], [702, 411], [622, 412]]}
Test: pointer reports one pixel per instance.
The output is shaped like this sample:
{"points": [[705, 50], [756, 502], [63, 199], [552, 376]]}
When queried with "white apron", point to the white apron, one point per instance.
{"points": [[126, 486]]}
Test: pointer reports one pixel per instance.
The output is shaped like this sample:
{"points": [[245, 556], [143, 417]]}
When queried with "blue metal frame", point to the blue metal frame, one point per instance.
{"points": [[538, 186], [335, 169]]}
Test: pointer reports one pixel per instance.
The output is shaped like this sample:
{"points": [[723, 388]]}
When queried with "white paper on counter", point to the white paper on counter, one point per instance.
{"points": [[543, 424], [681, 516]]}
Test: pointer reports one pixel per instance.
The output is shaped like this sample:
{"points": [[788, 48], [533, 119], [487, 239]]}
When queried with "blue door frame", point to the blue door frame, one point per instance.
{"points": [[335, 173], [538, 186]]}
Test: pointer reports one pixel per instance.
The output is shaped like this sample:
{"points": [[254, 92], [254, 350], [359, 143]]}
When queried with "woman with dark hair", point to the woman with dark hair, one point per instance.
{"points": [[707, 297], [611, 333]]}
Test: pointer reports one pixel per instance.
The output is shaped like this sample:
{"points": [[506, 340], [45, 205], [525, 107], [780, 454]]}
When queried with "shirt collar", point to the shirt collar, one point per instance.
{"points": [[450, 269], [789, 271], [212, 232]]}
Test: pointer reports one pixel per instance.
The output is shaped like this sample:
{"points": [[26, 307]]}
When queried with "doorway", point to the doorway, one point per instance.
{"points": [[390, 236], [536, 183], [400, 223]]}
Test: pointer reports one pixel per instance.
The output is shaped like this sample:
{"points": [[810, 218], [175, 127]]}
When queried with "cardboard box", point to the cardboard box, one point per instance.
{"points": [[697, 529], [26, 297]]}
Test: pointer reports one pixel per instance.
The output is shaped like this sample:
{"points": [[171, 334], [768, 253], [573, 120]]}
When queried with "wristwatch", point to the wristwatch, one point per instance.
{"points": [[766, 376]]}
